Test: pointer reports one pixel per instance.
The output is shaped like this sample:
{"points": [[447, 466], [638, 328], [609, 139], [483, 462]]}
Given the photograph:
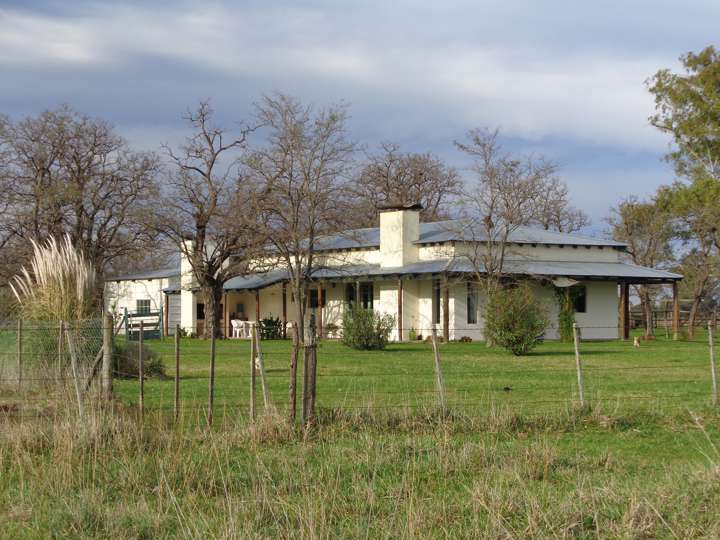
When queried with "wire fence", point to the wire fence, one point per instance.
{"points": [[247, 378]]}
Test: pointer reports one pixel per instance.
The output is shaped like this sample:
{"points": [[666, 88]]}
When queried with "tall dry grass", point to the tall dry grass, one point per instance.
{"points": [[60, 283]]}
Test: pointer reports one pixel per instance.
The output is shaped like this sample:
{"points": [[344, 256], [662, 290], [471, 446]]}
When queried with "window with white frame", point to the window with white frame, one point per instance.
{"points": [[142, 306]]}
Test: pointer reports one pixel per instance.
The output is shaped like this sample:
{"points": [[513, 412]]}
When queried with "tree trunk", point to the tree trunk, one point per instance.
{"points": [[212, 296], [693, 316], [646, 305]]}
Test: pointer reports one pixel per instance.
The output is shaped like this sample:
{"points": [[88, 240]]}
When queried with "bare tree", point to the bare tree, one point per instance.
{"points": [[502, 199], [206, 209], [64, 173], [303, 169], [646, 228], [393, 177], [553, 210]]}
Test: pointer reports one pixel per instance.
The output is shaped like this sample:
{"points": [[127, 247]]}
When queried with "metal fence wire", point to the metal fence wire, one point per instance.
{"points": [[50, 357]]}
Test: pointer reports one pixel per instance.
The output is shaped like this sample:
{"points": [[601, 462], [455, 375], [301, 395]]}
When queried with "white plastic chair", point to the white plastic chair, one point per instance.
{"points": [[237, 328]]}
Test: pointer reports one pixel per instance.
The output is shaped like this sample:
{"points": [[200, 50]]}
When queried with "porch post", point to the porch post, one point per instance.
{"points": [[320, 310], [226, 318], [166, 313], [676, 312], [400, 309], [446, 311], [624, 311], [257, 305], [284, 310]]}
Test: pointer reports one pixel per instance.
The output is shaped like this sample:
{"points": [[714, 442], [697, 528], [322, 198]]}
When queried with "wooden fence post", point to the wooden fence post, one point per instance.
{"points": [[19, 353], [253, 354], [713, 365], [177, 372], [438, 372], [578, 365], [141, 372], [309, 377], [260, 362], [211, 387], [292, 405], [108, 327]]}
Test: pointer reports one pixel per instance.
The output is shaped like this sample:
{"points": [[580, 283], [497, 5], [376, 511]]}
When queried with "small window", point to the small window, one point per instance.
{"points": [[350, 296], [200, 312], [472, 303], [579, 298], [313, 299], [436, 302], [240, 309], [142, 307], [366, 295]]}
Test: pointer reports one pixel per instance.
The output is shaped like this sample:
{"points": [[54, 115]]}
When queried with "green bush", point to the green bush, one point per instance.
{"points": [[365, 329], [515, 320], [126, 361], [270, 328]]}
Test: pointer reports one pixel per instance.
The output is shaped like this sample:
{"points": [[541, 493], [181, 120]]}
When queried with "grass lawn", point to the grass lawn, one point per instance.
{"points": [[641, 462], [660, 376]]}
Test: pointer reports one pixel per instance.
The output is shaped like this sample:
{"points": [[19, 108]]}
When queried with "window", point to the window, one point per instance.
{"points": [[472, 303], [200, 312], [436, 302], [142, 306], [240, 309], [313, 299], [578, 293], [350, 289], [366, 295]]}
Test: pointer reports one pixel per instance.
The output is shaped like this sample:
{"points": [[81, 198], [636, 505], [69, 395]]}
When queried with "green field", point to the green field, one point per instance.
{"points": [[641, 462], [660, 376]]}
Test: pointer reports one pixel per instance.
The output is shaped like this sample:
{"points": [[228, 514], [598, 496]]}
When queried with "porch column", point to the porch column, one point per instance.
{"points": [[284, 310], [166, 311], [400, 309], [257, 306], [226, 321], [676, 312], [446, 311], [624, 311], [320, 311]]}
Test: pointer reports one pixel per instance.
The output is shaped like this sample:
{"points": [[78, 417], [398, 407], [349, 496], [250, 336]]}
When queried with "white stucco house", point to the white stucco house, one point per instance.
{"points": [[417, 272]]}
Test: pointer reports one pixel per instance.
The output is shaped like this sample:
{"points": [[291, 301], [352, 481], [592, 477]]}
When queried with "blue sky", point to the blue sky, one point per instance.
{"points": [[560, 78]]}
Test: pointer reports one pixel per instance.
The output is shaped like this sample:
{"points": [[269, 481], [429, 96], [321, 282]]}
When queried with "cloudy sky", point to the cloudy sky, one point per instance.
{"points": [[562, 78]]}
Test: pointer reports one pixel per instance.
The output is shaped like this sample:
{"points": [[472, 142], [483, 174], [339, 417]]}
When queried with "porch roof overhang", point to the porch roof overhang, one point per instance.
{"points": [[589, 271]]}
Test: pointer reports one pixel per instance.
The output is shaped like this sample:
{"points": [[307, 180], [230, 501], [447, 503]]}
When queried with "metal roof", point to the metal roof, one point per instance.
{"points": [[588, 270], [149, 274], [459, 230]]}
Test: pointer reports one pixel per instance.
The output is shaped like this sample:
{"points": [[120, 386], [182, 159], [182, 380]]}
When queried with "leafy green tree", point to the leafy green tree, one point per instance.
{"points": [[647, 229], [688, 108]]}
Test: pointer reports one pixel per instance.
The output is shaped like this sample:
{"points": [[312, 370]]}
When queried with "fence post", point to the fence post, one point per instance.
{"points": [[107, 357], [141, 372], [713, 365], [293, 374], [177, 372], [19, 353], [261, 367], [211, 388], [253, 354], [578, 365], [438, 372]]}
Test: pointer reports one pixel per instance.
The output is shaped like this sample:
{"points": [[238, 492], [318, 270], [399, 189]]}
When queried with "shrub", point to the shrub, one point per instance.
{"points": [[515, 320], [270, 328], [126, 361], [465, 339], [412, 335], [365, 329]]}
